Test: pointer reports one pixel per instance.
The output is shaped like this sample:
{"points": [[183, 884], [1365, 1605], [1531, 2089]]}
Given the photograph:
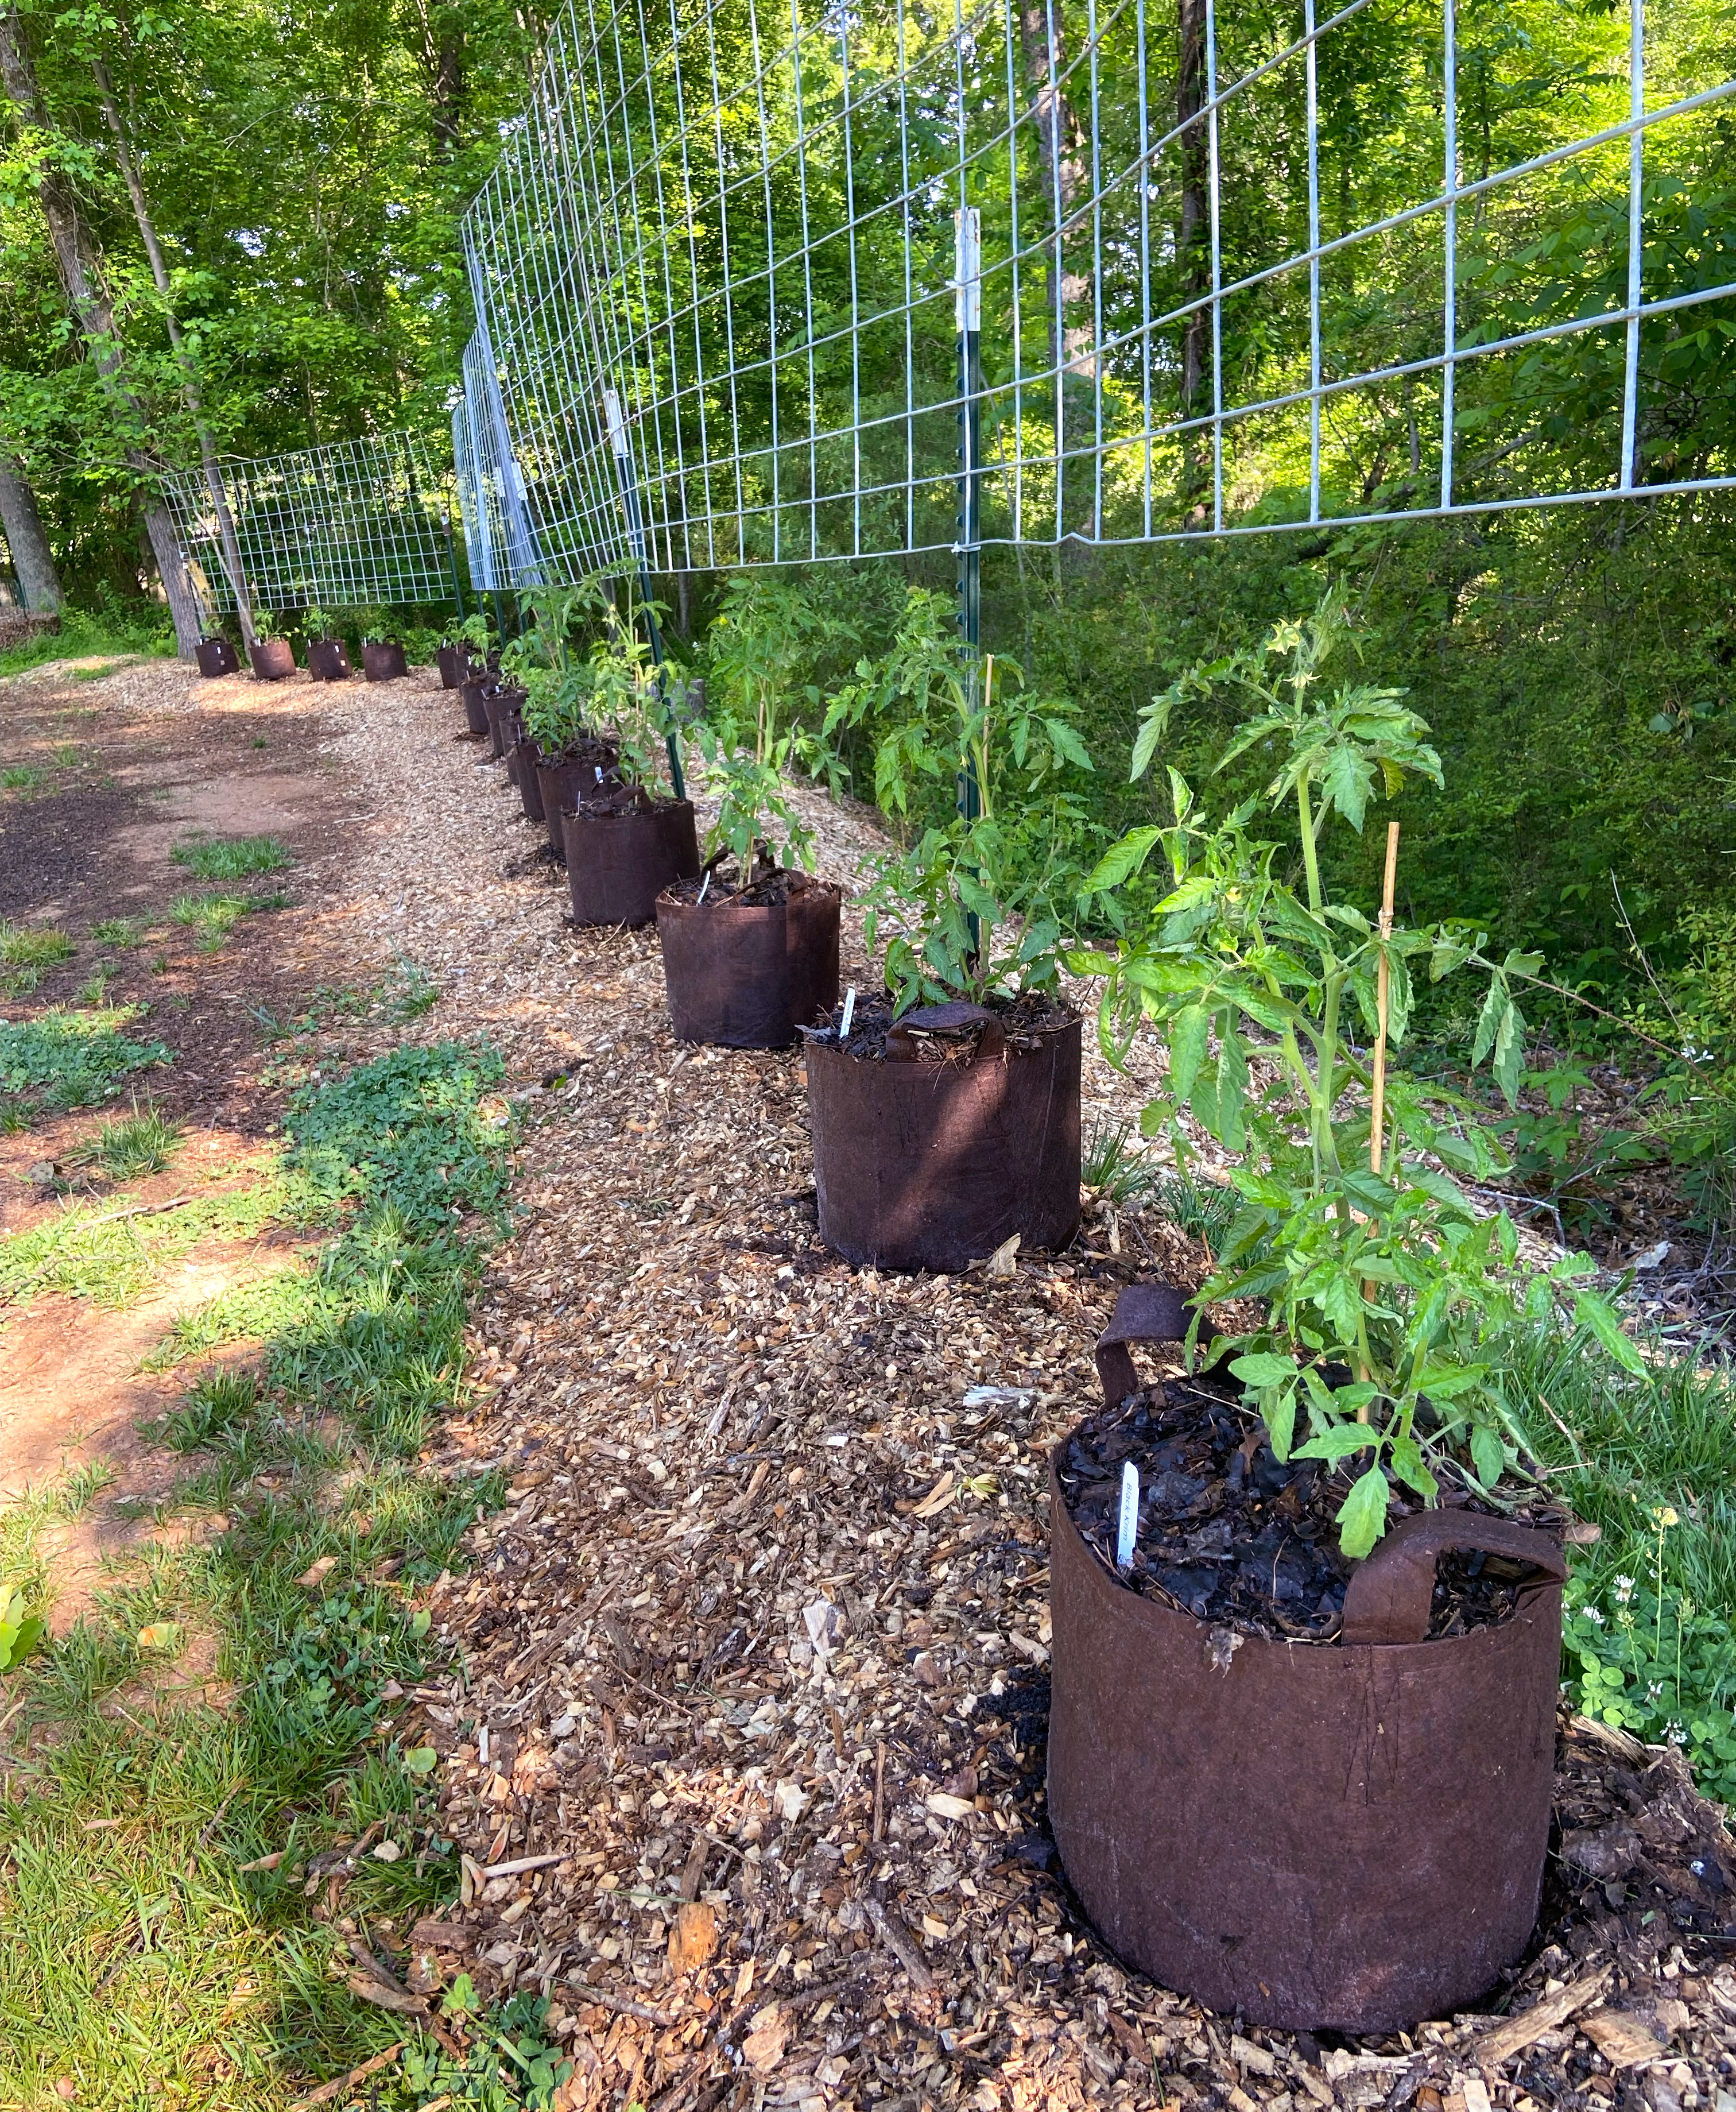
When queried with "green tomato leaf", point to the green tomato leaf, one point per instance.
{"points": [[1339, 1441], [1487, 1455], [1259, 1368], [1410, 1468], [1188, 1034], [1362, 1515]]}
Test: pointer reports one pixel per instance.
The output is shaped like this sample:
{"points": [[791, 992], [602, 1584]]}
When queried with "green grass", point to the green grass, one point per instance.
{"points": [[26, 950], [232, 858], [1651, 1461], [142, 1962], [116, 631], [22, 777], [64, 1059], [143, 1142], [89, 1250], [214, 916], [121, 932]]}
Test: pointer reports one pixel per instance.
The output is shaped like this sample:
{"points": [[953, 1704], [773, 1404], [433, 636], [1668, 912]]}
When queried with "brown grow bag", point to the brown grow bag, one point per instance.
{"points": [[505, 729], [217, 655], [564, 781], [273, 659], [935, 1165], [453, 662], [327, 661], [747, 975], [475, 704], [522, 762], [617, 864], [1346, 1836], [384, 662]]}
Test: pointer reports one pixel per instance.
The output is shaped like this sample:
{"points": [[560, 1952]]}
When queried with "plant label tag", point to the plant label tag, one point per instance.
{"points": [[1129, 1527], [843, 1028], [703, 885]]}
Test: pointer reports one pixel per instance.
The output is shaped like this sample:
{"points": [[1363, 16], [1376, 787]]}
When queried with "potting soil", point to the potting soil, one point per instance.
{"points": [[934, 1040], [1230, 1534]]}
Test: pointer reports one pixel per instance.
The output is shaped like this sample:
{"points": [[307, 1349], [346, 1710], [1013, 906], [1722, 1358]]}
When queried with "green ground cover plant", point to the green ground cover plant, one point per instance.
{"points": [[113, 629], [63, 1059], [144, 1961], [231, 858], [110, 1254]]}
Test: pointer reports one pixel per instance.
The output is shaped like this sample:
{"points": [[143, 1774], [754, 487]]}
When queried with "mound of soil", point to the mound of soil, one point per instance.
{"points": [[943, 1033], [612, 799], [1230, 1533]]}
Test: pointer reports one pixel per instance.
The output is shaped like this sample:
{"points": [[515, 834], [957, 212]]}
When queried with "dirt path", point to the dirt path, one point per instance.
{"points": [[122, 768]]}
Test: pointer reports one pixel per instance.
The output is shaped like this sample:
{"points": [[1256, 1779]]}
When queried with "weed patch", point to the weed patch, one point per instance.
{"points": [[145, 1960], [232, 858], [214, 916], [102, 1252], [26, 951], [122, 932], [65, 1059], [143, 1142]]}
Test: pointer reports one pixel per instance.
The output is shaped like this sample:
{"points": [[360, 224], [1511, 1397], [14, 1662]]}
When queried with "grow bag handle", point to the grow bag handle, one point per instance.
{"points": [[1144, 1312], [940, 1019], [1390, 1593]]}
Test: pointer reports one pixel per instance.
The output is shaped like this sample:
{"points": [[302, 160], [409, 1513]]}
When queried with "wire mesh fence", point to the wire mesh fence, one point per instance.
{"points": [[358, 524], [774, 228]]}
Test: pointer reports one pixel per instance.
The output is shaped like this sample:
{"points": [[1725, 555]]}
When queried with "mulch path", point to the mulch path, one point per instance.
{"points": [[745, 1758]]}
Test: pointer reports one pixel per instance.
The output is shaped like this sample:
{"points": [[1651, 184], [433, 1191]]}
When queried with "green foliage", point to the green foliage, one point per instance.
{"points": [[410, 1133], [98, 1252], [122, 932], [232, 858], [212, 1956], [1377, 1264], [1114, 1165], [763, 640], [976, 903], [214, 916], [143, 1142], [1660, 1666], [111, 628], [509, 2064], [26, 950], [73, 1059], [20, 1630]]}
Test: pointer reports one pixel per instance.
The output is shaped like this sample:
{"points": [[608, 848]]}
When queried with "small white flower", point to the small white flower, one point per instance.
{"points": [[1652, 1692], [1674, 1734], [1624, 1589], [1593, 1615]]}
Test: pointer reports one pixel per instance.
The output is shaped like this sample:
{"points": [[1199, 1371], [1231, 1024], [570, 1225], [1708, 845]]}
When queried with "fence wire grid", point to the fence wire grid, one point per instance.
{"points": [[747, 220], [358, 524]]}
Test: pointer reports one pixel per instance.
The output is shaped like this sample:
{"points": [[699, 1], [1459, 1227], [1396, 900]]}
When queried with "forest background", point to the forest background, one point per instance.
{"points": [[301, 174]]}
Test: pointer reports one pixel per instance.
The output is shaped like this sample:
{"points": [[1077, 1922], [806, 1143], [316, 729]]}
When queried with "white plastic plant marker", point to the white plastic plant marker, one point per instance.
{"points": [[1130, 1520], [843, 1026], [703, 885]]}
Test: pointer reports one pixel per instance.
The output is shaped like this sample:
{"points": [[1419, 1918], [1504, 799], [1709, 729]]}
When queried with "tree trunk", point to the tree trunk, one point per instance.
{"points": [[1061, 157], [38, 580], [95, 316], [189, 376]]}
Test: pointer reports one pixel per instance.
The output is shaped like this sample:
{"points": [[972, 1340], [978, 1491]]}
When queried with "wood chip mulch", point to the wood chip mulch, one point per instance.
{"points": [[745, 1758]]}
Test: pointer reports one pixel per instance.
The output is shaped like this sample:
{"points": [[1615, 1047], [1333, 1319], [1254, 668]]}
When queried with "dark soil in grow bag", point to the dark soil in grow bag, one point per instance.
{"points": [[939, 1033], [1231, 1534]]}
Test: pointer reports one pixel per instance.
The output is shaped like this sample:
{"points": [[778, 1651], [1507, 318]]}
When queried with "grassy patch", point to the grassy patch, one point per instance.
{"points": [[214, 916], [143, 1142], [26, 950], [143, 1962], [22, 777], [116, 631], [121, 932], [65, 1059], [102, 1252], [1651, 1461], [232, 858]]}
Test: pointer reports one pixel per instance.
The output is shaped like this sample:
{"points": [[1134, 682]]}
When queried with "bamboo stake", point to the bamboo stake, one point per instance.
{"points": [[1377, 1111], [1377, 1122]]}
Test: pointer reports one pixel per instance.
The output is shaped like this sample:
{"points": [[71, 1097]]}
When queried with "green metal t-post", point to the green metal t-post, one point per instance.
{"points": [[630, 499], [967, 225]]}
